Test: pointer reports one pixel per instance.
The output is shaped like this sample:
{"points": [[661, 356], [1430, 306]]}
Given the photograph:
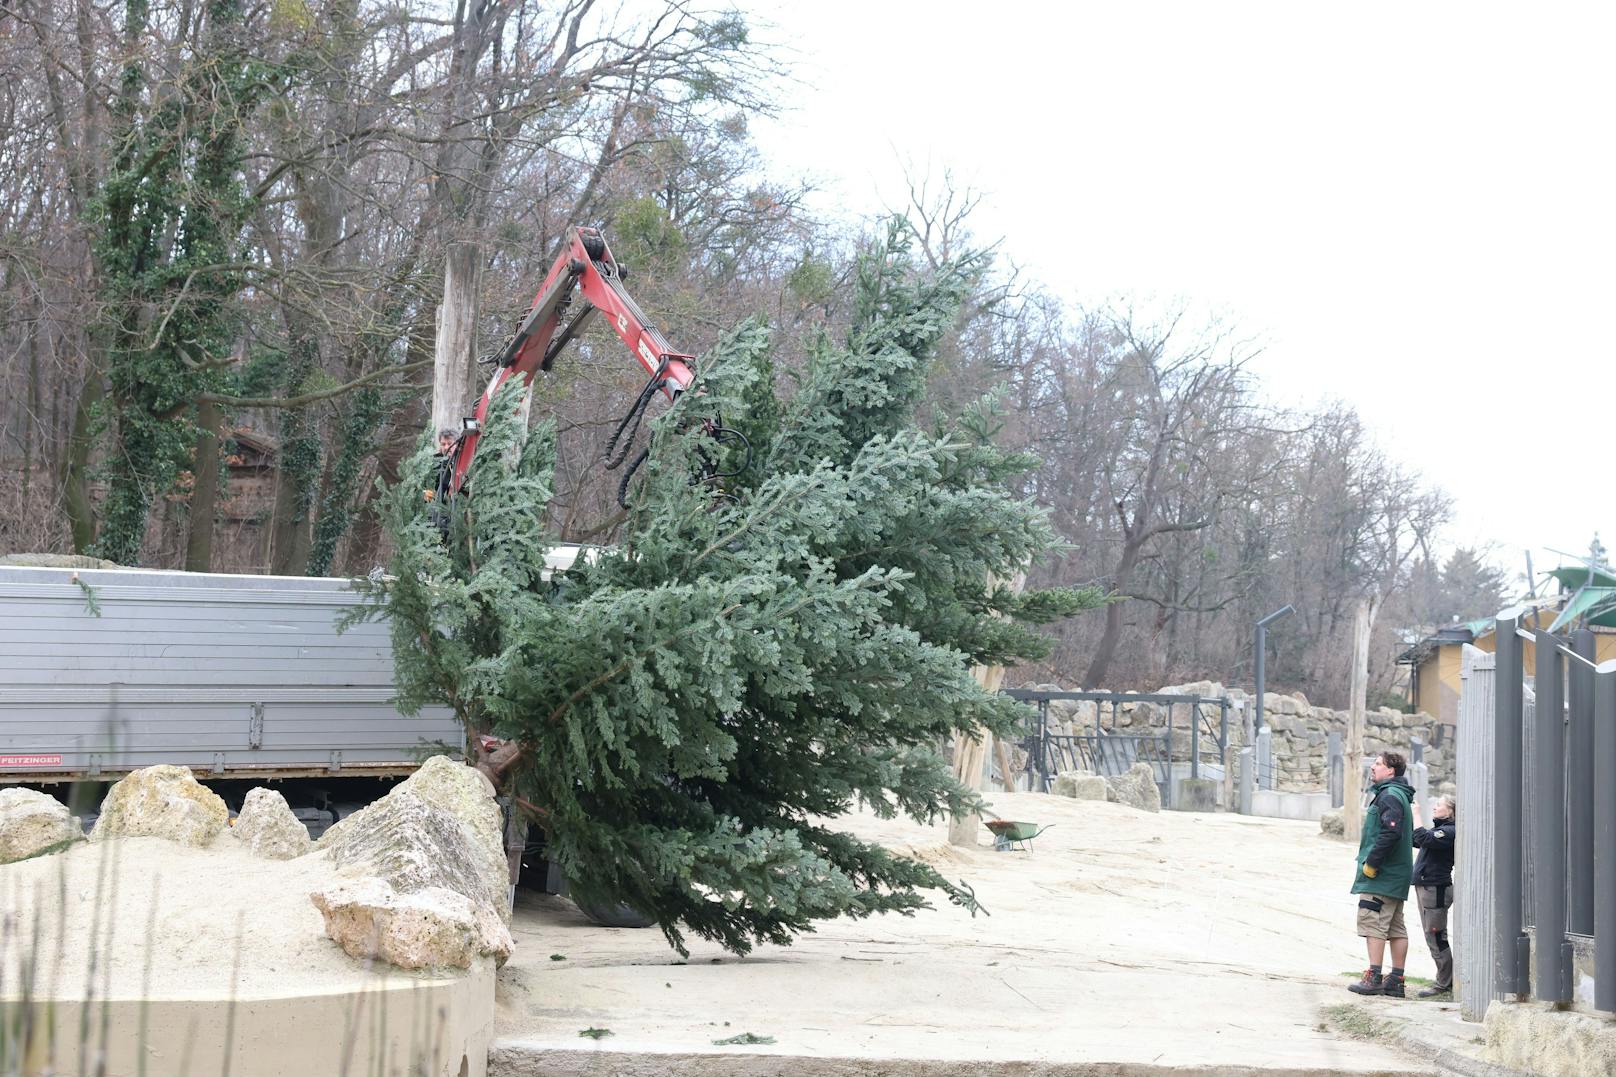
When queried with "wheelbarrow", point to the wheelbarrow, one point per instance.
{"points": [[1008, 835]]}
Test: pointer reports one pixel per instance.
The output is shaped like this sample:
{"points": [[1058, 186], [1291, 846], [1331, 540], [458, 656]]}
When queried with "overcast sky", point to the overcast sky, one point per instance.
{"points": [[1411, 205]]}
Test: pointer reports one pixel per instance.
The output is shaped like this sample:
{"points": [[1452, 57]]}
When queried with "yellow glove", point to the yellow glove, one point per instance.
{"points": [[1369, 872]]}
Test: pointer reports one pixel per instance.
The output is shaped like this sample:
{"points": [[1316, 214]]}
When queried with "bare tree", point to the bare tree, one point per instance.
{"points": [[1169, 407]]}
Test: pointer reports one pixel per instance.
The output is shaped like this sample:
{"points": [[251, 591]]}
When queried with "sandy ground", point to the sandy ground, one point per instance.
{"points": [[1126, 938], [181, 923]]}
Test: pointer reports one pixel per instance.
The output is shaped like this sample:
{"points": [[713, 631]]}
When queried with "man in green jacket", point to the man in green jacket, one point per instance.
{"points": [[1385, 867]]}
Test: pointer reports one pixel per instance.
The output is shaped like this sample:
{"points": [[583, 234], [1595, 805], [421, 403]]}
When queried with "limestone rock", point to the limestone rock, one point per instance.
{"points": [[32, 823], [1137, 788], [1089, 787], [414, 845], [162, 802], [1065, 783], [1534, 1038], [439, 829], [1332, 824], [429, 928], [267, 827]]}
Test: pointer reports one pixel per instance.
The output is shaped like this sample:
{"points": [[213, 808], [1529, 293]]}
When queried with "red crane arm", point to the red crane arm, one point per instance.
{"points": [[584, 268]]}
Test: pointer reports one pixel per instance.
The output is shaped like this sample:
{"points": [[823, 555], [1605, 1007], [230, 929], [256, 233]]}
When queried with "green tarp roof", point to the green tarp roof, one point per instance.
{"points": [[1597, 604], [1572, 577]]}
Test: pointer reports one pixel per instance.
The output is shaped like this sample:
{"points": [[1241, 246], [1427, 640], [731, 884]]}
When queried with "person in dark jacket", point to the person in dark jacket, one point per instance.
{"points": [[1433, 884], [1385, 867]]}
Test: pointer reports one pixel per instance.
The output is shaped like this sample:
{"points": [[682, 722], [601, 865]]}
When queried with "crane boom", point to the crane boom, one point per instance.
{"points": [[583, 274]]}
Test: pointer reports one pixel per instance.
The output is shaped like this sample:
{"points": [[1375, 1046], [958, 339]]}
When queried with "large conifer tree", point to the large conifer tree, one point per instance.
{"points": [[692, 708]]}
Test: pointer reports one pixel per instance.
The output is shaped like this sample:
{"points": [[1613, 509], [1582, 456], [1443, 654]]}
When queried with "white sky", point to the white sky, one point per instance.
{"points": [[1410, 204]]}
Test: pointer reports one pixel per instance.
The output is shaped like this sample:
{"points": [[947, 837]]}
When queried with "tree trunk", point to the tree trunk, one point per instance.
{"points": [[1352, 768], [30, 424], [1106, 649], [402, 435], [76, 467], [455, 358], [204, 490], [297, 467], [289, 528]]}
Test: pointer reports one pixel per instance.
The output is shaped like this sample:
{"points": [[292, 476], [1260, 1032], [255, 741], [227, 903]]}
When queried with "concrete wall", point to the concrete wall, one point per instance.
{"points": [[440, 1028]]}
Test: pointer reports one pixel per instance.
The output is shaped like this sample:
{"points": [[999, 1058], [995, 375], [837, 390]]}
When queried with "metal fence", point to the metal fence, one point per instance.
{"points": [[1196, 734], [1548, 826]]}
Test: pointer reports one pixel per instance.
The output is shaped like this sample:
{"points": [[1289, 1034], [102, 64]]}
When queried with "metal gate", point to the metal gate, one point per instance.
{"points": [[1107, 747]]}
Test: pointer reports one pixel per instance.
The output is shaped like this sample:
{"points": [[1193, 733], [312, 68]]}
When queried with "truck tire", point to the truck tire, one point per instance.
{"points": [[613, 915]]}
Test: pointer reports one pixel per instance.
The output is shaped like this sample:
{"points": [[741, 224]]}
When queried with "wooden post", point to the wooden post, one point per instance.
{"points": [[1352, 806], [1006, 775], [970, 756]]}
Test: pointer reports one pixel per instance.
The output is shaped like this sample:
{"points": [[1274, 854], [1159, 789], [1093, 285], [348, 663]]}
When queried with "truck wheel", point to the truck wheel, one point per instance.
{"points": [[614, 915]]}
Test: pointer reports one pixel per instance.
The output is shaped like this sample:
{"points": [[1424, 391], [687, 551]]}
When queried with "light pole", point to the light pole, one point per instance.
{"points": [[1261, 651]]}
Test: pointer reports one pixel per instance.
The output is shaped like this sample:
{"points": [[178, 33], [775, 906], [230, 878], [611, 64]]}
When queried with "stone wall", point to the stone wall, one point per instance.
{"points": [[1300, 730]]}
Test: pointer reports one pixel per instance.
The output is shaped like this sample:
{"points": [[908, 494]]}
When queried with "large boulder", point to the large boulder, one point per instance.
{"points": [[456, 790], [1333, 824], [162, 802], [1090, 787], [439, 831], [428, 928], [1065, 783], [267, 827], [445, 804], [1136, 788], [32, 823]]}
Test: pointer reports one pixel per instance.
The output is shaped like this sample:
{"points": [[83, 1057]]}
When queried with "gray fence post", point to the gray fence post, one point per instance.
{"points": [[1248, 784], [1334, 769], [1195, 742], [1419, 776], [1473, 930], [1580, 784], [1265, 757], [1549, 825], [1604, 835], [1510, 973]]}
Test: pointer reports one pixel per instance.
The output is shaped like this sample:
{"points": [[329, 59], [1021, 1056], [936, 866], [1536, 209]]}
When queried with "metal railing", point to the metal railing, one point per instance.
{"points": [[1553, 836], [1197, 726]]}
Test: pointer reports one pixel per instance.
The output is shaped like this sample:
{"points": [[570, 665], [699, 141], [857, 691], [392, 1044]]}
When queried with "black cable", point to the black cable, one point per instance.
{"points": [[622, 486], [631, 422]]}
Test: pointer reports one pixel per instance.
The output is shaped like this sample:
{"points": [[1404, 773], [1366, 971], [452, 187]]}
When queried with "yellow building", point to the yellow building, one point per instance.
{"points": [[1434, 660]]}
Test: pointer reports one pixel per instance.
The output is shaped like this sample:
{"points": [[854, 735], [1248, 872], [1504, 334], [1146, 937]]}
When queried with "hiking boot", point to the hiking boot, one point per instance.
{"points": [[1434, 990], [1392, 986], [1371, 984]]}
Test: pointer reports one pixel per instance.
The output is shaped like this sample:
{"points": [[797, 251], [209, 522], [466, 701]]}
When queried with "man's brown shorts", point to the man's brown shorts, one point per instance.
{"points": [[1380, 917]]}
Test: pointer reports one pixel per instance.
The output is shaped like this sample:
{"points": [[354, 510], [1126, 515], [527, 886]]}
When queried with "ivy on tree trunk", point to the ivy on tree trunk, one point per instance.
{"points": [[168, 221]]}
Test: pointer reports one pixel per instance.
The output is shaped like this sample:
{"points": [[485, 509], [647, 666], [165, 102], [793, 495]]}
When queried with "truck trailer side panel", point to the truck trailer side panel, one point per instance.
{"points": [[106, 670]]}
